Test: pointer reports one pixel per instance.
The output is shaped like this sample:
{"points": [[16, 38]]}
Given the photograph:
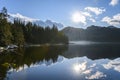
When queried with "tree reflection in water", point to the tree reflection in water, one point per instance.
{"points": [[27, 56], [36, 56]]}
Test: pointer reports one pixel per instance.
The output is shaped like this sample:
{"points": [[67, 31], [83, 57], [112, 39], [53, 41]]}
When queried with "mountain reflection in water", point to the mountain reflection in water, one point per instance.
{"points": [[80, 68], [62, 62]]}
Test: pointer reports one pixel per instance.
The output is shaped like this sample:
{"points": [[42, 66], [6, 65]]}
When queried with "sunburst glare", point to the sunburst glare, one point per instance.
{"points": [[78, 17], [79, 67]]}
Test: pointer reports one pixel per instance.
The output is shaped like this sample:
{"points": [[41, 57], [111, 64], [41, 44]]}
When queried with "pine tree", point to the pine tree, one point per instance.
{"points": [[5, 31]]}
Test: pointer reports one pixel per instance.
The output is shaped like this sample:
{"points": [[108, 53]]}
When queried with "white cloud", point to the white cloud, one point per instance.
{"points": [[87, 71], [113, 64], [97, 75], [114, 2], [93, 20], [80, 67], [115, 20], [95, 10], [82, 17], [24, 18], [107, 19], [87, 14], [93, 65], [78, 17]]}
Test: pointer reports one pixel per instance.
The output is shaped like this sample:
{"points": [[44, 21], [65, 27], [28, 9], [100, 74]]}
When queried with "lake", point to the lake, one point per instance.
{"points": [[80, 60]]}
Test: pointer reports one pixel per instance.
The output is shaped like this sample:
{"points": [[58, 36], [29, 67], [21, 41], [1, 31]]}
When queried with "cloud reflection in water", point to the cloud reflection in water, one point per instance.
{"points": [[81, 68]]}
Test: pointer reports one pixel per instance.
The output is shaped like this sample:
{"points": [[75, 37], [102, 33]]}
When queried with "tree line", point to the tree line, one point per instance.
{"points": [[20, 32]]}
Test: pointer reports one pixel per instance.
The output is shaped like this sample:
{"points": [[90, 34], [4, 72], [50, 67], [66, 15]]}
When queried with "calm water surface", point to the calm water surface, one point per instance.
{"points": [[77, 61]]}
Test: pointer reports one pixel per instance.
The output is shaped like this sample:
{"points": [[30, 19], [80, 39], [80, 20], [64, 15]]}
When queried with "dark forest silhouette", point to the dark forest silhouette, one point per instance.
{"points": [[93, 33], [20, 33]]}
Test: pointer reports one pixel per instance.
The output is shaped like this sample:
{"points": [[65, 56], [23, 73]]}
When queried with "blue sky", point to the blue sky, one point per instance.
{"points": [[76, 13]]}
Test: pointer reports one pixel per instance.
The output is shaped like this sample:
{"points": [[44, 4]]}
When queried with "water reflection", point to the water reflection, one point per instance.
{"points": [[93, 50], [62, 62], [19, 59], [81, 68]]}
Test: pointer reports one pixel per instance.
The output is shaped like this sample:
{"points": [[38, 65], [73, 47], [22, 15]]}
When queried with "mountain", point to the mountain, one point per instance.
{"points": [[36, 21], [72, 33], [48, 23], [111, 27], [93, 33]]}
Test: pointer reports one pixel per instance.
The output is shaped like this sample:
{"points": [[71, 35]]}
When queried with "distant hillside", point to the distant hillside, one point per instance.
{"points": [[93, 33], [73, 33]]}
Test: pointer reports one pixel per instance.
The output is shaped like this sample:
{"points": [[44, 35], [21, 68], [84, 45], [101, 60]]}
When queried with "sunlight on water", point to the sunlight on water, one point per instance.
{"points": [[76, 62], [82, 42], [79, 67], [76, 67]]}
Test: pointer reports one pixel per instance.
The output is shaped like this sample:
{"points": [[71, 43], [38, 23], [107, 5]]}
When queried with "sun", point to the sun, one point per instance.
{"points": [[78, 17]]}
